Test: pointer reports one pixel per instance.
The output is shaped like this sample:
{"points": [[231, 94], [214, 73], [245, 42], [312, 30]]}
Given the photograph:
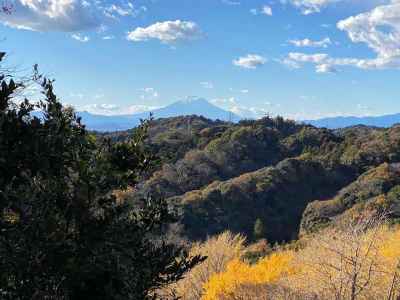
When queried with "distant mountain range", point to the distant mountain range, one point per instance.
{"points": [[201, 107], [190, 106], [341, 122]]}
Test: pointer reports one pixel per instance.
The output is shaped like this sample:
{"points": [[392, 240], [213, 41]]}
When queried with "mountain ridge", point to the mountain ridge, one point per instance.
{"points": [[185, 107], [342, 122]]}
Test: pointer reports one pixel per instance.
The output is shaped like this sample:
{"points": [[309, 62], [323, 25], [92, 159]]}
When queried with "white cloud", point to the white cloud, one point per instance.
{"points": [[124, 10], [325, 68], [231, 104], [66, 15], [52, 15], [249, 112], [80, 38], [207, 85], [317, 58], [113, 110], [166, 32], [103, 109], [114, 9], [108, 37], [310, 6], [265, 10], [324, 43], [139, 108], [290, 63], [379, 29], [251, 61]]}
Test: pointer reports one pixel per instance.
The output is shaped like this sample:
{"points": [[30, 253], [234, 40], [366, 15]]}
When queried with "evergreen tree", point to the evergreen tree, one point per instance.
{"points": [[259, 230], [63, 232]]}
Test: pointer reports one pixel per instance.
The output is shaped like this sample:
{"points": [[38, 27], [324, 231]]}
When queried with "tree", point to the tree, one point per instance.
{"points": [[259, 230], [63, 232], [346, 261]]}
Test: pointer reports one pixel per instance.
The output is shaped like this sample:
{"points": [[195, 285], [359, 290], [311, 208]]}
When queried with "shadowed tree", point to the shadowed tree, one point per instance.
{"points": [[259, 229], [63, 232]]}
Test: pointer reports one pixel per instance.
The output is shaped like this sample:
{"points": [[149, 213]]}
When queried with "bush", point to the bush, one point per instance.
{"points": [[219, 250]]}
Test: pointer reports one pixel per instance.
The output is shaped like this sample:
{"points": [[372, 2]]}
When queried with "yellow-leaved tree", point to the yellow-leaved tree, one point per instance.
{"points": [[219, 250], [358, 260], [238, 273]]}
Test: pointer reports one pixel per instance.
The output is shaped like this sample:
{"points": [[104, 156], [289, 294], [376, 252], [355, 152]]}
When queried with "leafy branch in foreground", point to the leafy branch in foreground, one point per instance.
{"points": [[63, 232]]}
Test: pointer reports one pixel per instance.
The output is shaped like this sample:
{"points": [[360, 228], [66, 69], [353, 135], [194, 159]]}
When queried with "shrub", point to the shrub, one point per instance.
{"points": [[219, 250]]}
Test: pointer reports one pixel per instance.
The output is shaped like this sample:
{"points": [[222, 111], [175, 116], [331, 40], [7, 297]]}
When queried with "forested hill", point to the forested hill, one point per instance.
{"points": [[223, 176]]}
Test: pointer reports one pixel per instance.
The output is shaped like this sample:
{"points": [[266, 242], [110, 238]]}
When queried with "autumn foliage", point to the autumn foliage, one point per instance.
{"points": [[219, 250], [239, 273], [357, 259]]}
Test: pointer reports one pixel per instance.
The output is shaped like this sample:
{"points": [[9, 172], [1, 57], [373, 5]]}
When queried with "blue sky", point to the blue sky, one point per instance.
{"points": [[298, 58]]}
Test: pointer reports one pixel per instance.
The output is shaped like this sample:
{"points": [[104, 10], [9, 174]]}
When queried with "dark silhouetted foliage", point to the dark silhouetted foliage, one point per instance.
{"points": [[63, 232]]}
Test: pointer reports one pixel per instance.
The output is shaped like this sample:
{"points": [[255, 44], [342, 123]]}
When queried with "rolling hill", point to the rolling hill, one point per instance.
{"points": [[292, 177]]}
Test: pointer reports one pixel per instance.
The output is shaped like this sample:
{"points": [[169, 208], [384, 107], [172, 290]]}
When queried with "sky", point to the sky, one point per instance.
{"points": [[301, 59]]}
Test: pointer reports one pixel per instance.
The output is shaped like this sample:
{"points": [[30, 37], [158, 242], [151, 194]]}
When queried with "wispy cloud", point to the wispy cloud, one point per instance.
{"points": [[325, 68], [148, 93], [67, 15], [52, 15], [113, 109], [308, 7], [80, 38], [250, 61], [264, 10], [379, 29], [324, 43], [128, 9]]}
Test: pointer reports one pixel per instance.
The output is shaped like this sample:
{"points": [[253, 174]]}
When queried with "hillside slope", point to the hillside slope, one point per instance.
{"points": [[275, 195], [225, 176], [241, 148], [378, 188]]}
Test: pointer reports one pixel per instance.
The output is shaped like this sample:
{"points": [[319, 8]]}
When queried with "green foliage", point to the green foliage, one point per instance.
{"points": [[64, 234], [223, 152], [275, 195], [376, 189], [259, 229], [171, 138]]}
